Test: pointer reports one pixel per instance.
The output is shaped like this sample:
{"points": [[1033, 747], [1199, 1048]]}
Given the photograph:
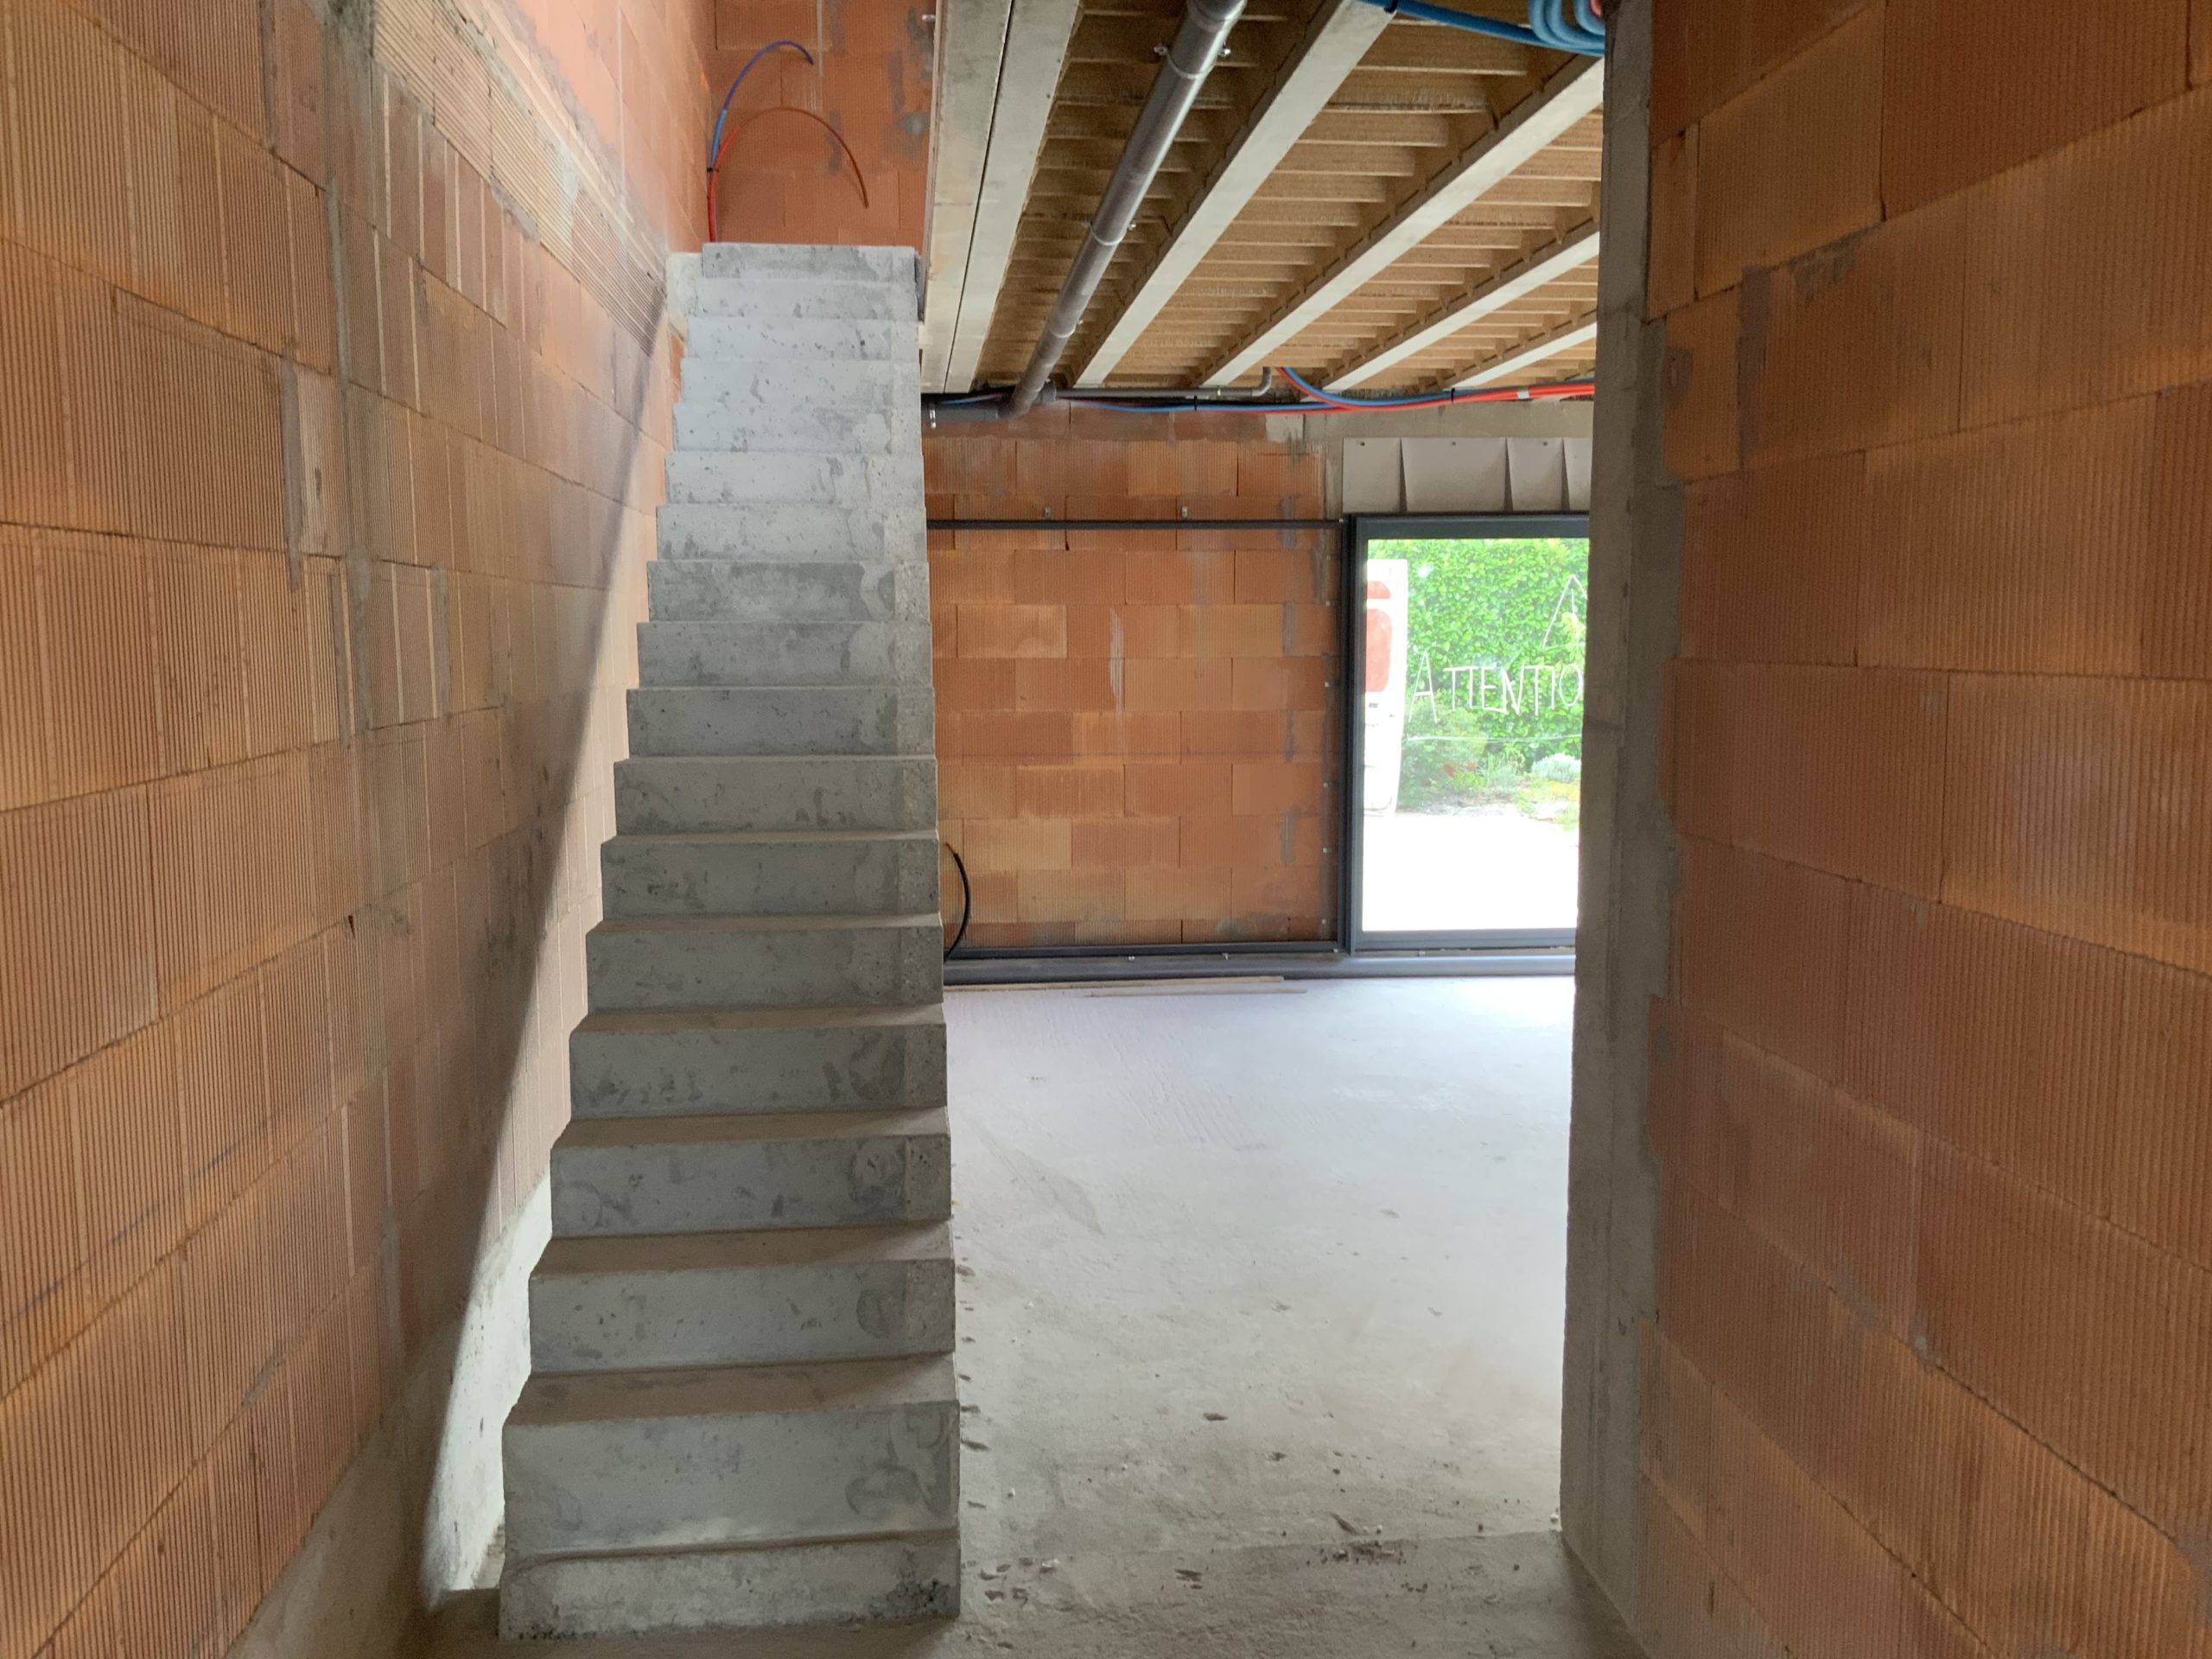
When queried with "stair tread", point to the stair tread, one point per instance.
{"points": [[770, 759], [764, 837], [550, 1399], [635, 1020], [800, 923], [598, 1134], [773, 1247], [809, 1542]]}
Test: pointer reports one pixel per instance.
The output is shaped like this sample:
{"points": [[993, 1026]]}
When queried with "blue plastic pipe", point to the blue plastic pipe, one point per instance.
{"points": [[1543, 29], [1421, 12]]}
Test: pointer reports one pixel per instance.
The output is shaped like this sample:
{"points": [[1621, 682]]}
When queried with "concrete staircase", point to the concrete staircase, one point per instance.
{"points": [[740, 1411]]}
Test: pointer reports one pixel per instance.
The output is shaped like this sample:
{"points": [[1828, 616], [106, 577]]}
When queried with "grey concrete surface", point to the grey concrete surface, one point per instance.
{"points": [[731, 1170], [797, 590], [664, 794], [763, 961], [1256, 1265], [1513, 1596], [1261, 1314], [773, 1296], [698, 1444], [756, 873], [788, 340], [759, 1454], [802, 298], [779, 653], [784, 530], [756, 1060], [1628, 855], [781, 719]]}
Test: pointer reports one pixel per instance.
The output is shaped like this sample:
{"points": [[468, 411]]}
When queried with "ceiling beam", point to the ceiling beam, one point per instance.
{"points": [[972, 35], [1037, 36], [1535, 351], [1340, 34], [1566, 98], [1569, 253]]}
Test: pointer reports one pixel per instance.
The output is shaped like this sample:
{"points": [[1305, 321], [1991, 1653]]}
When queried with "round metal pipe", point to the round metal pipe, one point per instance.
{"points": [[1197, 47]]}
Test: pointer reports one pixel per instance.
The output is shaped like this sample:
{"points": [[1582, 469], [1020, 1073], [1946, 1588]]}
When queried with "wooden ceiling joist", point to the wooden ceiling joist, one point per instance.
{"points": [[1566, 98], [1556, 343], [975, 49], [1037, 39], [1338, 38]]}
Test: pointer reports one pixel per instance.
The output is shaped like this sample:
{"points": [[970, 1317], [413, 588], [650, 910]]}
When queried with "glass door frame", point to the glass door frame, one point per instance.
{"points": [[1361, 528]]}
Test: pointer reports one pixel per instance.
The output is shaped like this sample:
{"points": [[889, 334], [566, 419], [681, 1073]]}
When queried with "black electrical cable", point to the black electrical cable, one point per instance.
{"points": [[967, 901]]}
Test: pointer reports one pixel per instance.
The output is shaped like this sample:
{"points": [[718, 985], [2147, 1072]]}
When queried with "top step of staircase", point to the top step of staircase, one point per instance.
{"points": [[740, 260]]}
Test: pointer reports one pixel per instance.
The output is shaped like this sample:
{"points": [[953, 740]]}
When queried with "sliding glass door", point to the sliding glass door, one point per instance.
{"points": [[1466, 729]]}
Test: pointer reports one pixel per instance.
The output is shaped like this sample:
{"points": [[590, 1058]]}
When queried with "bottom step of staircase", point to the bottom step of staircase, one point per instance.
{"points": [[914, 1575]]}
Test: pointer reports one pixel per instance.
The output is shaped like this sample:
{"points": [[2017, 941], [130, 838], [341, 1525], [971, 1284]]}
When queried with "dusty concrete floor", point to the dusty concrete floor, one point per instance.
{"points": [[1262, 1293]]}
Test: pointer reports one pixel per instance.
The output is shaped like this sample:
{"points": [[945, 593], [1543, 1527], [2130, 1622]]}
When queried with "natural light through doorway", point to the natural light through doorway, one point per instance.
{"points": [[1471, 785]]}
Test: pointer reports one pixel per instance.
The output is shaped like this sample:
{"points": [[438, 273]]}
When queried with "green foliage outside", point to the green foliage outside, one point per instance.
{"points": [[1507, 728]]}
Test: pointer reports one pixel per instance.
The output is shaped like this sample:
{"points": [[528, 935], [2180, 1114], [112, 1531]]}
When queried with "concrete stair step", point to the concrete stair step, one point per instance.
{"points": [[804, 297], [757, 339], [782, 653], [635, 1593], [747, 1060], [700, 719], [616, 1176], [709, 962], [776, 388], [771, 873], [885, 483], [661, 794], [794, 591], [693, 530], [793, 1295], [708, 1458], [896, 267], [877, 430]]}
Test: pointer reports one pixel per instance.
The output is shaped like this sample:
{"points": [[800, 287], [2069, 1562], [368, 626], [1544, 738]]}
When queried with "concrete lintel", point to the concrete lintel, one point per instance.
{"points": [[1568, 96], [1335, 42], [972, 37], [1037, 37], [1549, 344], [1570, 253]]}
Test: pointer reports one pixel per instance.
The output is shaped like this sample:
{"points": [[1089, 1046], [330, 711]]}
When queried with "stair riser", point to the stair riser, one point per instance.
{"points": [[687, 1482], [753, 1316], [776, 388], [880, 483], [710, 1590], [830, 878], [752, 590], [883, 429], [696, 1187], [654, 795], [793, 299], [686, 1073], [801, 534], [891, 267], [780, 720], [782, 653], [752, 339], [826, 968]]}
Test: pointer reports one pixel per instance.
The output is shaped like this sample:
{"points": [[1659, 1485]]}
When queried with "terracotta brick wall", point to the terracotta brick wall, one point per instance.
{"points": [[326, 462], [1134, 728], [785, 179], [1933, 1090]]}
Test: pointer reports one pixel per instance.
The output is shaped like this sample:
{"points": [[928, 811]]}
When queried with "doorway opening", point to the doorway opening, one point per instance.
{"points": [[1464, 729]]}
